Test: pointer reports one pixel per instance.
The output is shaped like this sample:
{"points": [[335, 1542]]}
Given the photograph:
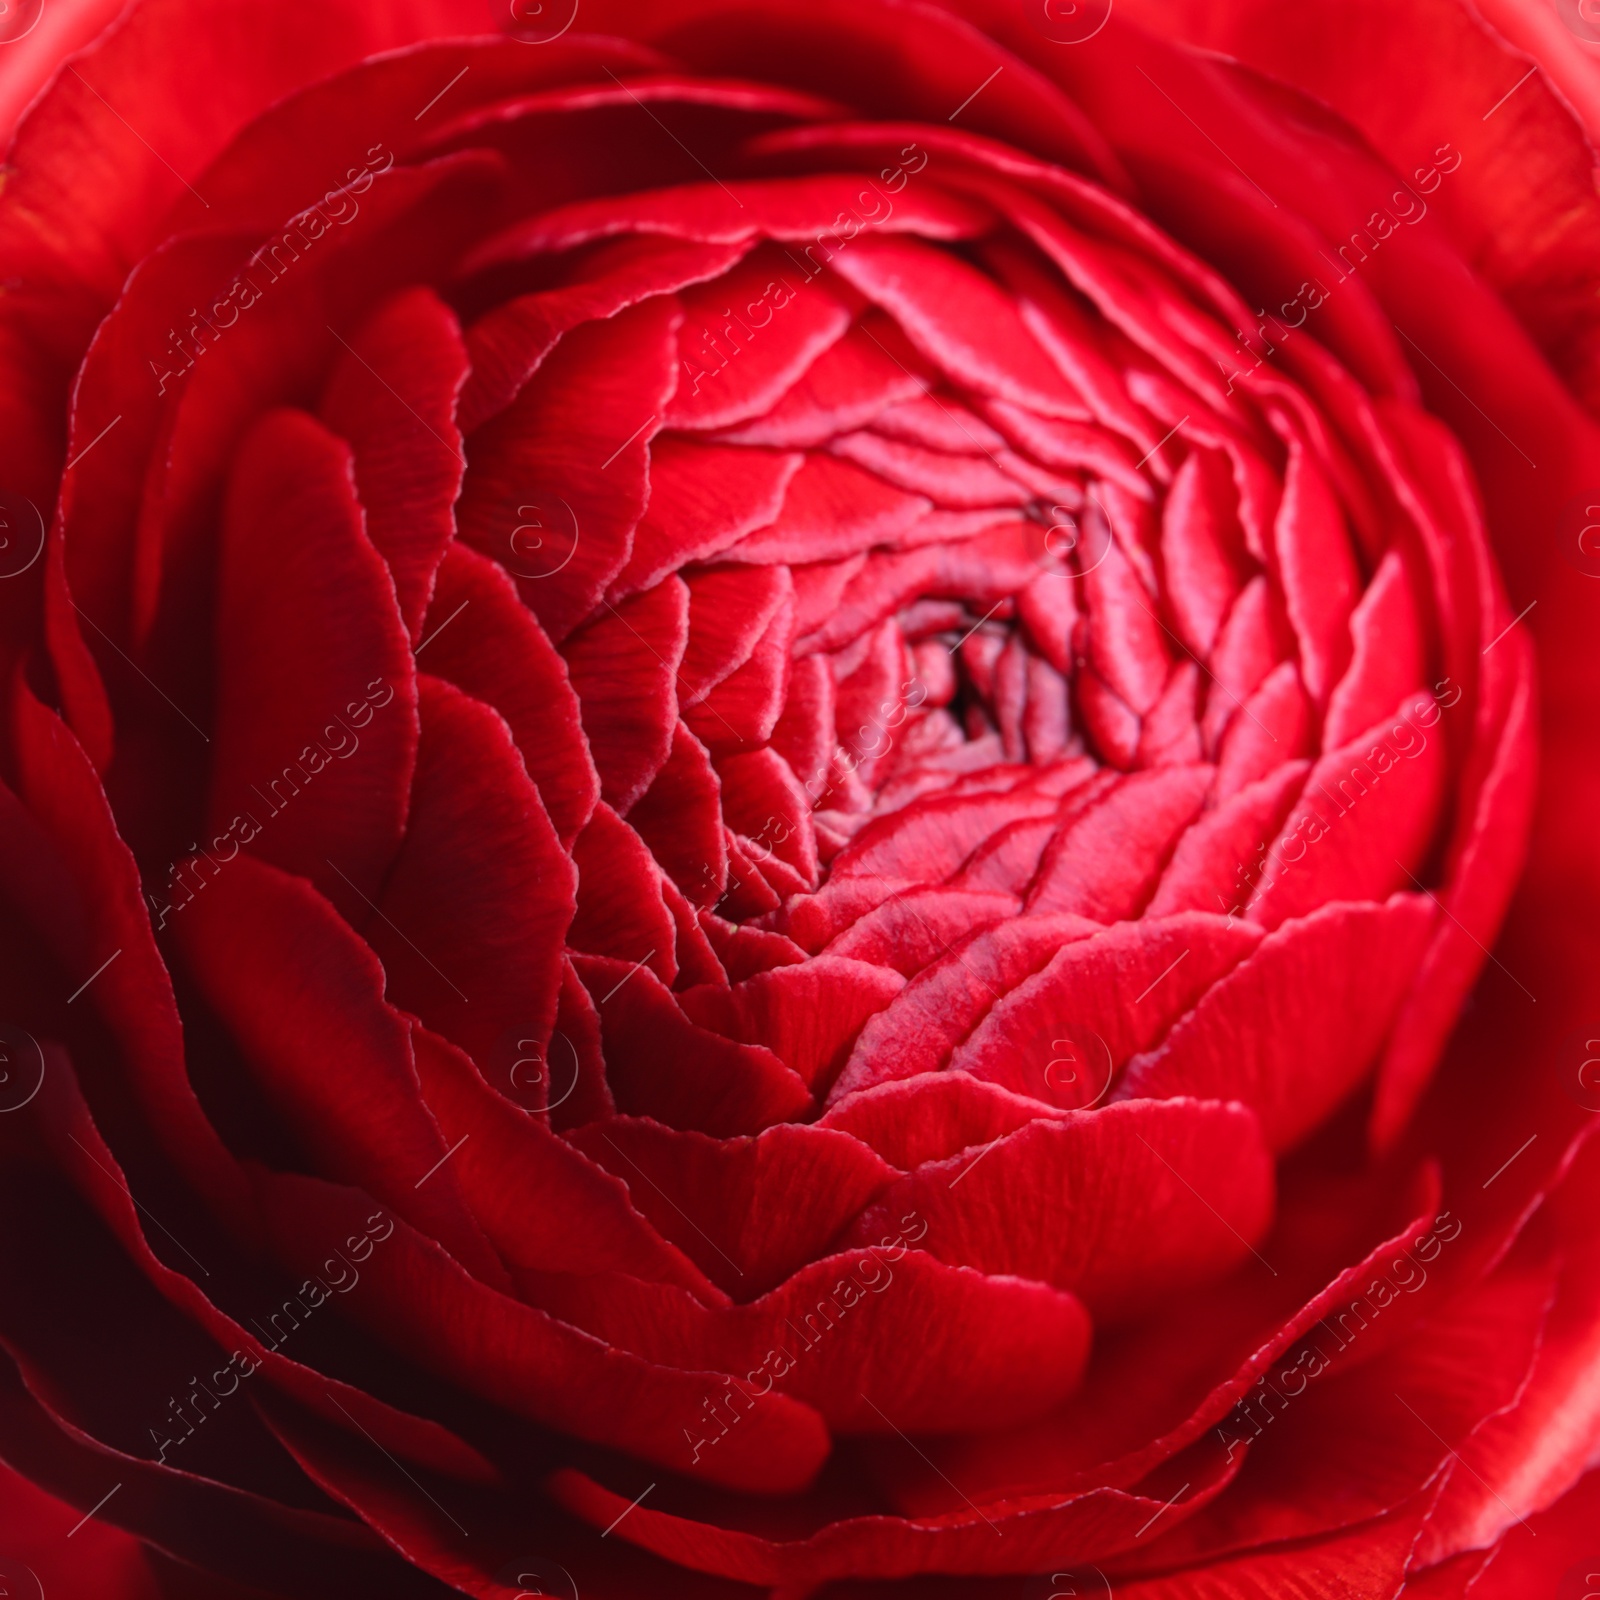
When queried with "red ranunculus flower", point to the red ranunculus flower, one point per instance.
{"points": [[754, 755]]}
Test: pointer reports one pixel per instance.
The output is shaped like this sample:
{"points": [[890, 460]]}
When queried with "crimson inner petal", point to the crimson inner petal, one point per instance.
{"points": [[878, 671], [997, 623], [957, 590]]}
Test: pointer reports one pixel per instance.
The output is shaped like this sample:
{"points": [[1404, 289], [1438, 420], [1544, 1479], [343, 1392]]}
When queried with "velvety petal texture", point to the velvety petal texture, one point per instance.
{"points": [[752, 757]]}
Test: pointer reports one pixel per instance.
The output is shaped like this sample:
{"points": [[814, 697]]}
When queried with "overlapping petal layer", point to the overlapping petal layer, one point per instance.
{"points": [[736, 775]]}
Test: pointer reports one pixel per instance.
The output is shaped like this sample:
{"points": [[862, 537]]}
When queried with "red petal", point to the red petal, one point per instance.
{"points": [[316, 732], [748, 337], [544, 1206], [930, 839], [1047, 719], [935, 423], [659, 1064], [1376, 801], [480, 637], [393, 395], [1160, 1385], [35, 1530], [750, 894], [1106, 863], [411, 1296], [962, 482], [1272, 728], [1169, 734], [680, 817], [1480, 887], [994, 1347], [912, 1121], [698, 961], [798, 209], [1249, 645], [1219, 860], [1059, 1035], [82, 1153], [1095, 1523], [750, 1212], [745, 951], [624, 666], [744, 708], [98, 905], [730, 608], [1070, 447], [941, 1005], [296, 988], [1386, 663], [763, 803], [570, 459], [509, 343], [914, 929], [471, 921], [1370, 1558], [704, 498], [1007, 860], [1201, 549], [805, 734], [808, 1015], [1122, 1205], [983, 566], [1420, 1407], [620, 910], [870, 368], [959, 320], [252, 64], [1111, 724], [1294, 1027], [578, 1023], [1422, 135], [1126, 642], [1320, 583], [831, 509]]}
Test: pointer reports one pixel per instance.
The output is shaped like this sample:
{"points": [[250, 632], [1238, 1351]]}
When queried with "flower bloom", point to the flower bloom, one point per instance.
{"points": [[753, 759]]}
